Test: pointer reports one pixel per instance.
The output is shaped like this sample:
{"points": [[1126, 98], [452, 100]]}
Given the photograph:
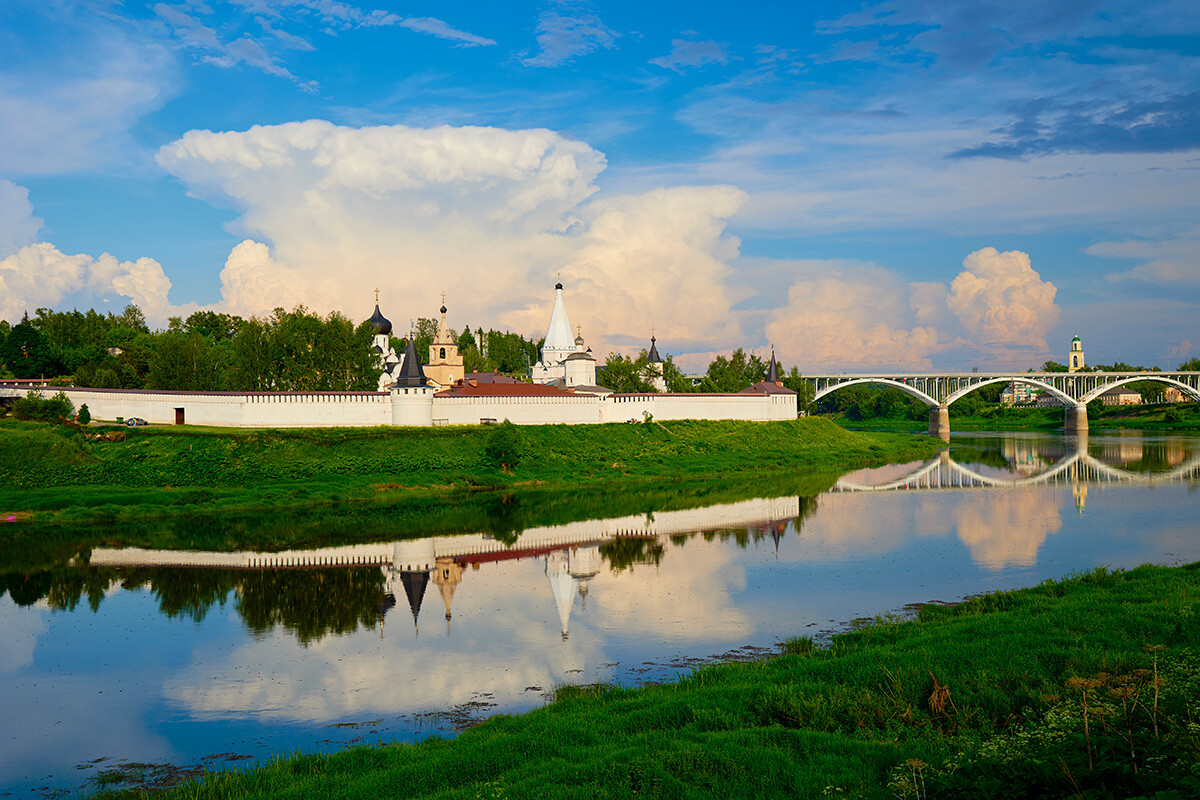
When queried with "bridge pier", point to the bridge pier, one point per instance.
{"points": [[939, 422], [1075, 419]]}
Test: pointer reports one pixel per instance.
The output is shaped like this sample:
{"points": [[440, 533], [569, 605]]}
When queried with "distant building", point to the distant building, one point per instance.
{"points": [[1120, 396], [1076, 361], [1019, 394]]}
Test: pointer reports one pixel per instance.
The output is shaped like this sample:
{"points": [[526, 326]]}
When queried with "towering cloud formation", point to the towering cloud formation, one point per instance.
{"points": [[490, 216], [841, 314], [1003, 303]]}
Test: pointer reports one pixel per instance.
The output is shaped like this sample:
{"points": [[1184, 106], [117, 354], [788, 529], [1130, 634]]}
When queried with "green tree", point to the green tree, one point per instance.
{"points": [[186, 363], [1192, 365], [625, 375], [505, 446], [84, 417], [295, 351], [27, 353], [804, 390], [734, 373]]}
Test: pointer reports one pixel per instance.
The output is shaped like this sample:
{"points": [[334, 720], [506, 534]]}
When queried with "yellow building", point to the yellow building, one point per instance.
{"points": [[445, 363]]}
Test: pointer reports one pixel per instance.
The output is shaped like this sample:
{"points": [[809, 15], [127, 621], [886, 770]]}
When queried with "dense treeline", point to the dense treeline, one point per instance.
{"points": [[298, 350], [295, 350]]}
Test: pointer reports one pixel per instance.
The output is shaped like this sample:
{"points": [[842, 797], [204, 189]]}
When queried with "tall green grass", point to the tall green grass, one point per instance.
{"points": [[981, 699]]}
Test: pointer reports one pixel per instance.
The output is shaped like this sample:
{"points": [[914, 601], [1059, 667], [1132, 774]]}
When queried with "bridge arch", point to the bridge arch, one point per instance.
{"points": [[1181, 386], [1056, 393], [904, 387]]}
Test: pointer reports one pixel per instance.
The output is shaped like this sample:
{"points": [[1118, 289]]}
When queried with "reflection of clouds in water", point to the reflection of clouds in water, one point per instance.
{"points": [[853, 525], [1007, 528], [19, 630], [688, 595], [998, 527], [504, 637], [881, 476]]}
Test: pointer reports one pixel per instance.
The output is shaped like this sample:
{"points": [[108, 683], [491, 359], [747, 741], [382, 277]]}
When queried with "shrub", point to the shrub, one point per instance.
{"points": [[84, 416], [34, 406], [505, 446]]}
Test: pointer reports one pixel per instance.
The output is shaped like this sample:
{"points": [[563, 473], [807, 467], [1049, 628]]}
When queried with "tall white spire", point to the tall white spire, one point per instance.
{"points": [[559, 342]]}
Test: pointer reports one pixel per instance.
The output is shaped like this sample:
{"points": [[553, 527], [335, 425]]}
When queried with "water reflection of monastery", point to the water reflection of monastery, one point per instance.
{"points": [[571, 552]]}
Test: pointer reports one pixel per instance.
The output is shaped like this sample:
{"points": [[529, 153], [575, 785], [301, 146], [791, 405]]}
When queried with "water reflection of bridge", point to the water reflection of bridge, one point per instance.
{"points": [[1077, 467]]}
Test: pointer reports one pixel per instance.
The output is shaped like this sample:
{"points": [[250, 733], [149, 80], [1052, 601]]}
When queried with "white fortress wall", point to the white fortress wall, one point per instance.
{"points": [[230, 409], [578, 410], [315, 410], [412, 406], [752, 407]]}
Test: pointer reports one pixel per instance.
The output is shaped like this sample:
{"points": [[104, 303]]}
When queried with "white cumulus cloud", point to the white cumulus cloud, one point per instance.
{"points": [[1003, 302], [489, 216], [41, 275], [18, 225], [842, 314]]}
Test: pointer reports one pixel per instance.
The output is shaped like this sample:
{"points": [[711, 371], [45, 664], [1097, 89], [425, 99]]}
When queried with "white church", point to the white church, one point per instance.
{"points": [[563, 391]]}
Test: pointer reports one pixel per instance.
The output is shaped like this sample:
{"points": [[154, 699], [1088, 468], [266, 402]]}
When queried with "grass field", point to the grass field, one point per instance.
{"points": [[57, 475], [1170, 417], [1085, 687]]}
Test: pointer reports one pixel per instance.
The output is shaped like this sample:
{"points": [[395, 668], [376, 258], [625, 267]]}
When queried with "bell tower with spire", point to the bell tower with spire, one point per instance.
{"points": [[445, 363]]}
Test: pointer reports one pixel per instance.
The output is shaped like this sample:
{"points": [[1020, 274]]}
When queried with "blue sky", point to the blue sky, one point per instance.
{"points": [[897, 184]]}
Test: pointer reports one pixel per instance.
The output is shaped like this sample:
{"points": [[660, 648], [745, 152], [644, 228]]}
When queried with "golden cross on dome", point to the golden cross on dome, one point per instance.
{"points": [[376, 295], [443, 298]]}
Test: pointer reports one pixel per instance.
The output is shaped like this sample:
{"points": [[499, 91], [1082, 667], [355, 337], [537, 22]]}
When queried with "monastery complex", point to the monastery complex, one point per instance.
{"points": [[563, 391]]}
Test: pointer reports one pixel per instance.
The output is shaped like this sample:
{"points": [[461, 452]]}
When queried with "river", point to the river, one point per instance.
{"points": [[134, 667]]}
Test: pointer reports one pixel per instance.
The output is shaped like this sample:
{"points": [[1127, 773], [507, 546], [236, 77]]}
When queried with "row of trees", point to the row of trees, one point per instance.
{"points": [[295, 350]]}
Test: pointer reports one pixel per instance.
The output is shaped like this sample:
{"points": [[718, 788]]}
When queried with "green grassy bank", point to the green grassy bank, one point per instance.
{"points": [[1164, 417], [56, 474], [1085, 687]]}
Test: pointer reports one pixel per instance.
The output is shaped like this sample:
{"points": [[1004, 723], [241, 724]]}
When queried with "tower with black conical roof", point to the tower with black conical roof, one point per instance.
{"points": [[654, 363]]}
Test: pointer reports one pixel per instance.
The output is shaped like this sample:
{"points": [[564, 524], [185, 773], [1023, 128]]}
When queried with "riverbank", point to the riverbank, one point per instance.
{"points": [[1078, 687], [56, 475], [1163, 417]]}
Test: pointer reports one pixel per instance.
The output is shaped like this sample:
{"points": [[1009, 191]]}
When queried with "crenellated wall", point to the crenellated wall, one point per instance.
{"points": [[412, 406], [752, 407], [575, 410]]}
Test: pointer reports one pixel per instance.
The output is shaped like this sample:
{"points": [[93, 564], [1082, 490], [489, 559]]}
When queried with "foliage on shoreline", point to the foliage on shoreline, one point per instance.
{"points": [[58, 473], [1162, 417], [1084, 687]]}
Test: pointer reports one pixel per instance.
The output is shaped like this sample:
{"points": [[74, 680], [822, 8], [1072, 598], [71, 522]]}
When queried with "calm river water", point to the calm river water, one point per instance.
{"points": [[146, 663]]}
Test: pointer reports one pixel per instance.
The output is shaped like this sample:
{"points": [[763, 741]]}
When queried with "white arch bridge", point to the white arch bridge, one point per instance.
{"points": [[938, 391], [1077, 467]]}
